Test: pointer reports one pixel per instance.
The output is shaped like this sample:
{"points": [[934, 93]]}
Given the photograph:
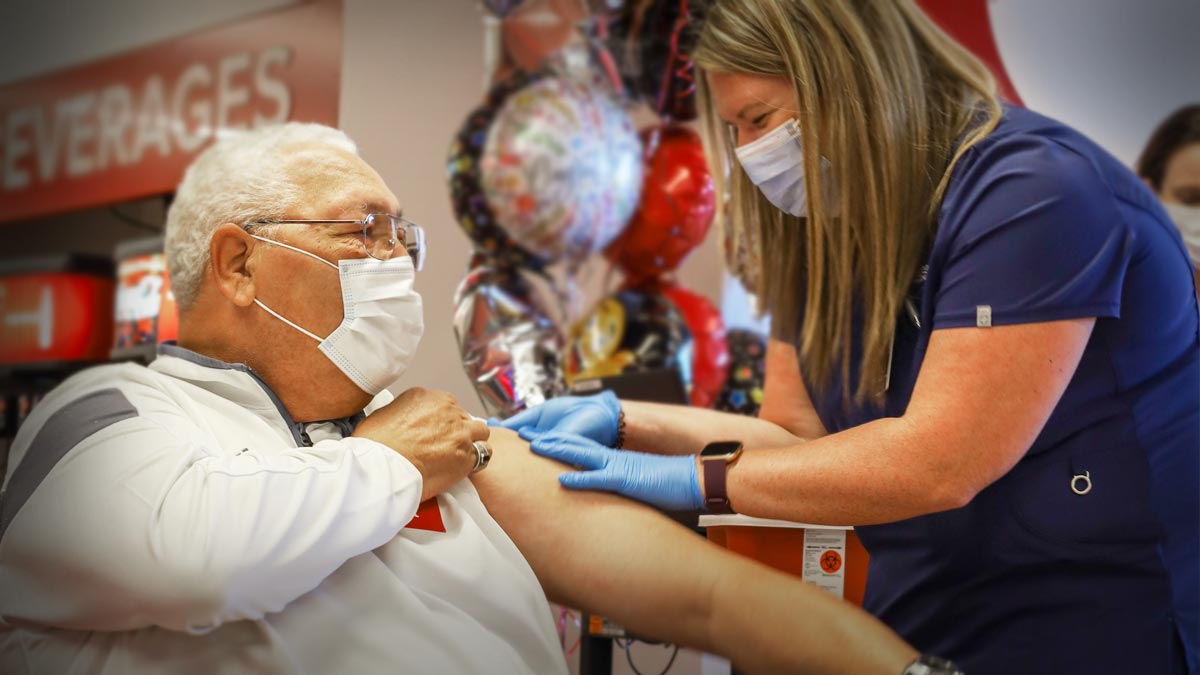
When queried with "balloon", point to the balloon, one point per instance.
{"points": [[538, 29], [470, 204], [677, 206], [631, 331], [652, 41], [743, 389], [561, 168], [710, 353], [509, 346]]}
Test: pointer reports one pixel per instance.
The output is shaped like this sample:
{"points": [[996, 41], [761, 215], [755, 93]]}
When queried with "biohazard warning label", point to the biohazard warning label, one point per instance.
{"points": [[824, 559]]}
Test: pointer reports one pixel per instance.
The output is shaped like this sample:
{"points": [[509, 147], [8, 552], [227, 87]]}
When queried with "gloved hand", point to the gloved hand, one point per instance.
{"points": [[593, 417], [668, 482]]}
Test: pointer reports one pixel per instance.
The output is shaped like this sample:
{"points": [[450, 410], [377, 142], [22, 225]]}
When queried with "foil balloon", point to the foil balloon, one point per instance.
{"points": [[467, 197], [652, 41], [631, 331], [677, 207], [509, 346], [561, 168], [710, 352], [742, 392]]}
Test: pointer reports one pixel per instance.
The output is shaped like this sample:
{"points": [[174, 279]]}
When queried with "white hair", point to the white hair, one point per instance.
{"points": [[238, 180]]}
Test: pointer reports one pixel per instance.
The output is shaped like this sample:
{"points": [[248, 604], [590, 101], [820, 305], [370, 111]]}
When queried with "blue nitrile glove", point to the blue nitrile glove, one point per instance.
{"points": [[668, 482], [593, 417]]}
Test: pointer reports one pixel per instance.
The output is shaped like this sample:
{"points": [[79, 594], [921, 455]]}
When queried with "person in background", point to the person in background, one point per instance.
{"points": [[1170, 165], [985, 349]]}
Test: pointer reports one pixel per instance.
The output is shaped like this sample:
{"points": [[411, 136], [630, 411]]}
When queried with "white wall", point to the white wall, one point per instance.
{"points": [[1111, 68]]}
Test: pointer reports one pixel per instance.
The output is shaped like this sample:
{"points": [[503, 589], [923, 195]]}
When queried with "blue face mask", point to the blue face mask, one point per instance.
{"points": [[775, 163]]}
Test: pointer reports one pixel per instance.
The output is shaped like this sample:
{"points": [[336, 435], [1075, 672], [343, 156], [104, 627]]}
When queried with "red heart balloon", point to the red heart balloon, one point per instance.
{"points": [[677, 207]]}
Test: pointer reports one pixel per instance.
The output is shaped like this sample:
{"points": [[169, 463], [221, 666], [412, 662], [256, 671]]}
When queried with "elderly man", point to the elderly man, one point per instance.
{"points": [[256, 502]]}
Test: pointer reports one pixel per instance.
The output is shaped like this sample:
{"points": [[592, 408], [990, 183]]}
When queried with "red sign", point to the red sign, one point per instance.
{"points": [[429, 517], [127, 126], [55, 317]]}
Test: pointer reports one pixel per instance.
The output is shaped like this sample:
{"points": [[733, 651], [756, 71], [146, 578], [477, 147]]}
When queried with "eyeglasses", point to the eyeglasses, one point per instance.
{"points": [[380, 234]]}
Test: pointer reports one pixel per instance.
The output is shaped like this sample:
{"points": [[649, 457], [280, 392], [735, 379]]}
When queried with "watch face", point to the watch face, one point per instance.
{"points": [[721, 449]]}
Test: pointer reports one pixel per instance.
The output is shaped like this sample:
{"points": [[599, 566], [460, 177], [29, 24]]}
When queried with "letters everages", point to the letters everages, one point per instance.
{"points": [[118, 124]]}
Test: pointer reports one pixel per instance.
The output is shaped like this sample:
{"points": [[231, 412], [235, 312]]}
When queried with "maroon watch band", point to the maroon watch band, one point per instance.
{"points": [[716, 497]]}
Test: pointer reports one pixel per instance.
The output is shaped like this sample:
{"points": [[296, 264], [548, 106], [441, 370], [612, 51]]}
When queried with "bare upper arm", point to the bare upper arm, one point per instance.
{"points": [[642, 569], [785, 398], [549, 524], [984, 394]]}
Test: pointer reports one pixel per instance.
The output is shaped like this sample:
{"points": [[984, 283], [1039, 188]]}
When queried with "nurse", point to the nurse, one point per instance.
{"points": [[985, 349]]}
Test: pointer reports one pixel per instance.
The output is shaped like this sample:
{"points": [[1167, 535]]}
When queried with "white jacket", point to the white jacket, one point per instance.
{"points": [[171, 519]]}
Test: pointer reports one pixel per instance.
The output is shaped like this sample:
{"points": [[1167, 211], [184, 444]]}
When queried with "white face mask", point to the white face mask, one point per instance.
{"points": [[775, 163], [1187, 219], [382, 323]]}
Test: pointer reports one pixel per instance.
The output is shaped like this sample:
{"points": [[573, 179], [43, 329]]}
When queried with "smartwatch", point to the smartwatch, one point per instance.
{"points": [[931, 665], [715, 459]]}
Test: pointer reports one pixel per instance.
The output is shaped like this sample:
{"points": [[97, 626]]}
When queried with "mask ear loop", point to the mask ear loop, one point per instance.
{"points": [[277, 315], [272, 312]]}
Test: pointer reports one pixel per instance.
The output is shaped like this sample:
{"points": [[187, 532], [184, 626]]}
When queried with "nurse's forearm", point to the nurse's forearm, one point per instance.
{"points": [[622, 560], [879, 472], [682, 430]]}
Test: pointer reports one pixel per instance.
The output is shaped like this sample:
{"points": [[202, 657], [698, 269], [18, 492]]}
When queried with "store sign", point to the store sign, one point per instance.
{"points": [[55, 317], [127, 127]]}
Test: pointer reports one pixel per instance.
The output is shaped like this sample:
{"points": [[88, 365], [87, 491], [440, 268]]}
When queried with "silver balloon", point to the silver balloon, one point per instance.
{"points": [[509, 345]]}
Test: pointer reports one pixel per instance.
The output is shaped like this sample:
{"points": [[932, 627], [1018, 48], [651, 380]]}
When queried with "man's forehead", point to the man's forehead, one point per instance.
{"points": [[360, 204], [339, 184]]}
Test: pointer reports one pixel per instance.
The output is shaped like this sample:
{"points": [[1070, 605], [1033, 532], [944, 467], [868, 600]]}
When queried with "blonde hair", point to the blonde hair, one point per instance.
{"points": [[892, 103]]}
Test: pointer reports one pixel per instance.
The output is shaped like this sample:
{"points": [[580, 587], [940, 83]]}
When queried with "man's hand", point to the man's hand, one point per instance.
{"points": [[595, 417], [431, 431]]}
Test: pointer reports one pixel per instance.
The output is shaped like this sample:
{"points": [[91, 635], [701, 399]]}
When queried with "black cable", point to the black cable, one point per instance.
{"points": [[130, 220], [629, 658]]}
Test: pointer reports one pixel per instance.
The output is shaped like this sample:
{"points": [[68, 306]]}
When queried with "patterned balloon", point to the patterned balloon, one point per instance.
{"points": [[743, 390], [561, 168], [471, 208], [508, 344], [631, 331]]}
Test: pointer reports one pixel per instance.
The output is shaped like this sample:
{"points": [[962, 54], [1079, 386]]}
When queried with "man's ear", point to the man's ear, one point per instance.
{"points": [[229, 255]]}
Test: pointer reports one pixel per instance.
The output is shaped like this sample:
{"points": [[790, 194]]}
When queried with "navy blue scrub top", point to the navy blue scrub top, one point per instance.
{"points": [[1040, 224]]}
